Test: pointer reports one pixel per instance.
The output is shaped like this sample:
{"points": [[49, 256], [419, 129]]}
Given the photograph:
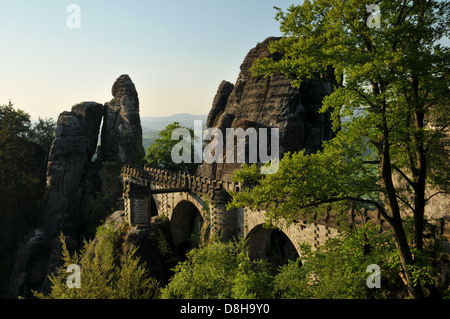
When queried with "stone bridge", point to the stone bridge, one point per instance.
{"points": [[196, 208]]}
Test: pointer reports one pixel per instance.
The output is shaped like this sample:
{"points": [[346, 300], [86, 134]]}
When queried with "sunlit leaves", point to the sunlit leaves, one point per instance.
{"points": [[385, 80], [337, 174], [220, 270]]}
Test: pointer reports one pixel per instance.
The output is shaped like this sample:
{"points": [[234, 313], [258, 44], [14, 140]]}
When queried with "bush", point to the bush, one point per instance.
{"points": [[338, 269], [220, 270], [106, 272]]}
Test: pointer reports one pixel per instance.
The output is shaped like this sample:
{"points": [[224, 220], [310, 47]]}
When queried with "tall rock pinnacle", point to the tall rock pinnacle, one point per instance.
{"points": [[121, 139]]}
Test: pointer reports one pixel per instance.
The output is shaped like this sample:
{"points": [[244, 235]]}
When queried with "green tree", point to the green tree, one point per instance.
{"points": [[392, 85], [338, 269], [107, 272], [159, 154], [21, 184], [42, 133], [219, 270]]}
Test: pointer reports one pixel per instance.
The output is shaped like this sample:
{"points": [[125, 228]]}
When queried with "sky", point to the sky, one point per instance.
{"points": [[176, 52]]}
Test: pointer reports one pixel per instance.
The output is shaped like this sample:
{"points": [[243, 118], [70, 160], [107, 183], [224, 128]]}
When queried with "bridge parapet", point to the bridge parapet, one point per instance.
{"points": [[141, 183], [144, 176], [217, 191]]}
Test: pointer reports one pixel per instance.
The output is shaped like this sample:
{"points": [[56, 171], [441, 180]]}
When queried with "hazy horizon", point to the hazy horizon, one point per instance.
{"points": [[176, 53]]}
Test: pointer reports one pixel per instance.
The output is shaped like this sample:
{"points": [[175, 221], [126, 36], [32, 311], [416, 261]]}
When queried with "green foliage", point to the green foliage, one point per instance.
{"points": [[390, 94], [248, 175], [384, 84], [219, 270], [100, 208], [107, 272], [15, 122], [159, 153], [338, 269], [42, 133], [22, 171], [338, 175], [372, 74]]}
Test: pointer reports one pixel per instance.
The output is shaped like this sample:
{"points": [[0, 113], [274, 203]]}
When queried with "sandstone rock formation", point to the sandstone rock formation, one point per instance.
{"points": [[271, 102], [122, 131], [29, 266], [69, 167], [219, 102], [74, 178]]}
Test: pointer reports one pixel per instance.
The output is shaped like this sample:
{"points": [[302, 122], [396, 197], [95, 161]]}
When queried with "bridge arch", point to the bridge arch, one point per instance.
{"points": [[186, 225], [271, 244]]}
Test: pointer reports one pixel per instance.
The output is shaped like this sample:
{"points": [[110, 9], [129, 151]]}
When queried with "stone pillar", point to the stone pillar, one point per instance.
{"points": [[137, 209], [223, 221]]}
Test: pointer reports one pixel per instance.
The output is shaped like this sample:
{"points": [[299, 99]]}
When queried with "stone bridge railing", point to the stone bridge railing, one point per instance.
{"points": [[140, 183], [144, 176]]}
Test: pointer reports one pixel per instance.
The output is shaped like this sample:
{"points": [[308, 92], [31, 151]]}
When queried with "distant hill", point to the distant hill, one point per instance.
{"points": [[153, 123]]}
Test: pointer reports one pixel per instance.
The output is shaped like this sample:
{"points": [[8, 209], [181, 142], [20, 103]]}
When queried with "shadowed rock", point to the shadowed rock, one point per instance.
{"points": [[122, 131], [75, 141], [270, 102], [72, 179]]}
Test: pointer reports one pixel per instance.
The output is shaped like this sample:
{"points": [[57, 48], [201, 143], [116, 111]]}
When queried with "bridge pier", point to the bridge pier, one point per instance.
{"points": [[223, 221], [137, 208]]}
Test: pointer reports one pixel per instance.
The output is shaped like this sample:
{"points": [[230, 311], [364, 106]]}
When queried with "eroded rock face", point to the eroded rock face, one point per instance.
{"points": [[90, 115], [70, 185], [219, 102], [122, 131], [69, 166], [260, 102], [30, 265], [73, 178]]}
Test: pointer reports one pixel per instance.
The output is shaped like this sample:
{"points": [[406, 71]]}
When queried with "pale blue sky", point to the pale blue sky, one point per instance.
{"points": [[176, 52]]}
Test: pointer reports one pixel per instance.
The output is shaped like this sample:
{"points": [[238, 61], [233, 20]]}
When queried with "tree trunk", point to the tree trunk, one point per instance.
{"points": [[406, 259], [419, 199], [395, 221], [419, 215]]}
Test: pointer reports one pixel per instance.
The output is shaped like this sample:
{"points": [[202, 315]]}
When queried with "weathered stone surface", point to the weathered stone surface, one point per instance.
{"points": [[269, 103], [219, 102], [73, 178], [90, 115], [70, 175], [122, 132], [152, 243], [30, 265], [36, 259], [66, 168]]}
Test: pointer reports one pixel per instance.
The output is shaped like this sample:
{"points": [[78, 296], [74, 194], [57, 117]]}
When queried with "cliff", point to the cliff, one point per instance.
{"points": [[269, 102]]}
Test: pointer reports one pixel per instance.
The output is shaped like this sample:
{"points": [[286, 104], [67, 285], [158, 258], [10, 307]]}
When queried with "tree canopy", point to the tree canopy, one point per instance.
{"points": [[22, 181], [159, 154]]}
